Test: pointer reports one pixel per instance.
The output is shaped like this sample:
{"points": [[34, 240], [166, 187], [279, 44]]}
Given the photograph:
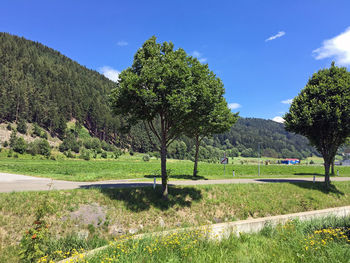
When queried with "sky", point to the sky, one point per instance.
{"points": [[263, 51]]}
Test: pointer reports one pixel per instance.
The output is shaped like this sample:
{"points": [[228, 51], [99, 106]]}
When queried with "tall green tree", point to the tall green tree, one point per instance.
{"points": [[159, 90], [210, 114], [321, 112]]}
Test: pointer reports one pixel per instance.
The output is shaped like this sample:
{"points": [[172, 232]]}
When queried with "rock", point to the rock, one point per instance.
{"points": [[140, 226]]}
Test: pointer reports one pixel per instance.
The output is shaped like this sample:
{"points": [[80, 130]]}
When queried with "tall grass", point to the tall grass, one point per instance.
{"points": [[285, 243]]}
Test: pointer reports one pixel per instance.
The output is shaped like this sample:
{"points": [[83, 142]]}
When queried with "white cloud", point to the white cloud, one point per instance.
{"points": [[278, 119], [110, 73], [288, 101], [234, 106], [337, 47], [122, 43], [199, 56], [279, 34]]}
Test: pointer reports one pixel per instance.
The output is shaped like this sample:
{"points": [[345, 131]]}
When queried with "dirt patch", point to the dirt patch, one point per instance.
{"points": [[90, 214]]}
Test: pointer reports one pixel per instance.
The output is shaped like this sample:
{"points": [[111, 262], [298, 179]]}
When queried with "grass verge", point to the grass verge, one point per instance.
{"points": [[144, 211]]}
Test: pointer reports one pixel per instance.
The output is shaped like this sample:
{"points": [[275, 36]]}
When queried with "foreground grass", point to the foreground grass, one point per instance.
{"points": [[187, 206], [129, 167], [326, 240]]}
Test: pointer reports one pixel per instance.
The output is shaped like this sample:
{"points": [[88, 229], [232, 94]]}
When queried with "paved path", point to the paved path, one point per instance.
{"points": [[16, 182]]}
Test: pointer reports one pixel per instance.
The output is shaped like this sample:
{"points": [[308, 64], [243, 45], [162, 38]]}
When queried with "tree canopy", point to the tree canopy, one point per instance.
{"points": [[210, 114], [162, 89], [321, 112]]}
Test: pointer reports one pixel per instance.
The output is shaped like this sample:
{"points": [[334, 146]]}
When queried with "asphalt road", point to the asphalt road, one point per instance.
{"points": [[16, 182]]}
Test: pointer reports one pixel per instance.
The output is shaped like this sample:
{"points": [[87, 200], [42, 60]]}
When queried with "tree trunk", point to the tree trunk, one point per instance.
{"points": [[327, 165], [163, 152], [332, 168], [196, 157]]}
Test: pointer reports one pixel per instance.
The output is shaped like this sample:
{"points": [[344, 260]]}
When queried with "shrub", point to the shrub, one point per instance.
{"points": [[40, 146], [44, 135], [70, 143], [19, 145], [85, 155], [131, 152], [6, 144], [146, 158], [10, 153], [9, 127], [312, 162], [104, 155], [22, 126], [69, 154], [117, 153], [36, 130], [15, 156]]}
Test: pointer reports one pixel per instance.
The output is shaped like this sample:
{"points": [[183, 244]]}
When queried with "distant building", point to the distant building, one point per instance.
{"points": [[290, 161]]}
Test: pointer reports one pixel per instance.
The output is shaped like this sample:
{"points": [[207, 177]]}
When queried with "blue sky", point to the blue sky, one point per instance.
{"points": [[264, 51]]}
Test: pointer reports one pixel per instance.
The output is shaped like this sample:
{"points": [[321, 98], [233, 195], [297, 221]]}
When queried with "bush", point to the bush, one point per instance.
{"points": [[19, 146], [44, 135], [6, 144], [9, 127], [104, 155], [10, 153], [22, 126], [36, 130], [92, 143], [117, 153], [312, 162], [131, 152], [69, 154], [70, 143], [85, 155], [146, 158], [40, 146]]}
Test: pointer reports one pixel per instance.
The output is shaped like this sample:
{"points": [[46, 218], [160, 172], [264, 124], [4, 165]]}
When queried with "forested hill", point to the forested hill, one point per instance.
{"points": [[41, 85], [274, 140]]}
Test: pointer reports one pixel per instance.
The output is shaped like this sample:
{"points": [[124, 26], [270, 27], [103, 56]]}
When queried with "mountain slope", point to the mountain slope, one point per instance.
{"points": [[41, 85]]}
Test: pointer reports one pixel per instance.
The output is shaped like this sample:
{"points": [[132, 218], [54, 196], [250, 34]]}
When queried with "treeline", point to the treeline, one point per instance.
{"points": [[40, 85]]}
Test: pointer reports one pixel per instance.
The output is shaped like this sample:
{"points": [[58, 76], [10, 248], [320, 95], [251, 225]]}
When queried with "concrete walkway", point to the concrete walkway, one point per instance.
{"points": [[16, 182]]}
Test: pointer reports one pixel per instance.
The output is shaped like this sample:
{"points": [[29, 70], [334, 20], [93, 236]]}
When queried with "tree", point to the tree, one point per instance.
{"points": [[157, 90], [22, 126], [210, 114], [321, 112]]}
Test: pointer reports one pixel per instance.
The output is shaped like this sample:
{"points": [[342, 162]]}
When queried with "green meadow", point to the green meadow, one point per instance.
{"points": [[131, 167]]}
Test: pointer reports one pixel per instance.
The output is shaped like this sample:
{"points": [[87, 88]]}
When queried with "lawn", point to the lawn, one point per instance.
{"points": [[129, 167], [144, 211]]}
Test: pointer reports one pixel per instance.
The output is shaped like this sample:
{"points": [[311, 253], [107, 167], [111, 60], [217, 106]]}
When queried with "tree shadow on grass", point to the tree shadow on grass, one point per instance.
{"points": [[143, 198], [317, 174], [180, 176], [320, 186]]}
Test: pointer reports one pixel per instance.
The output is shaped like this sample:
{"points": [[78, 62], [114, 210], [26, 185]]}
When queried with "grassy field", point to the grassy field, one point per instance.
{"points": [[128, 167], [143, 210], [317, 241]]}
